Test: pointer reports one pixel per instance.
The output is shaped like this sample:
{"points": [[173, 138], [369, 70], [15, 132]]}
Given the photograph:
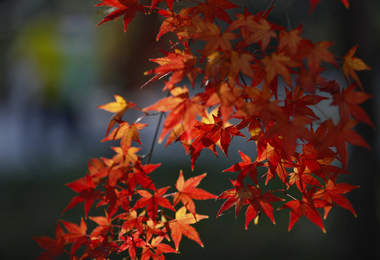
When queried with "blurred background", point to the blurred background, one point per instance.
{"points": [[57, 66]]}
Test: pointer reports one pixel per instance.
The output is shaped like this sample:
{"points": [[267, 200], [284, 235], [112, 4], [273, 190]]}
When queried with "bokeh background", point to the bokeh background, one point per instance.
{"points": [[57, 66]]}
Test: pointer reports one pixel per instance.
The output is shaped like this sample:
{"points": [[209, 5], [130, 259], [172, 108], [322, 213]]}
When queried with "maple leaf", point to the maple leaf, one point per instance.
{"points": [[315, 54], [226, 96], [308, 207], [175, 21], [183, 110], [237, 196], [350, 64], [128, 8], [215, 39], [119, 107], [126, 133], [187, 191], [181, 226], [180, 63], [131, 242], [290, 40], [302, 179], [348, 102], [239, 63], [296, 103], [313, 3], [104, 226], [309, 80], [261, 32], [278, 64], [132, 221], [152, 202], [140, 175], [116, 198], [53, 247], [340, 134], [244, 168], [87, 193], [290, 131], [212, 8], [218, 132], [260, 201], [169, 3], [124, 158], [76, 234], [262, 105], [157, 247], [333, 193]]}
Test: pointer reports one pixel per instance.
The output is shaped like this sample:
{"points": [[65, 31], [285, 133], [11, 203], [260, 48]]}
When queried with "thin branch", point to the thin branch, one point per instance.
{"points": [[269, 6], [155, 135], [287, 15]]}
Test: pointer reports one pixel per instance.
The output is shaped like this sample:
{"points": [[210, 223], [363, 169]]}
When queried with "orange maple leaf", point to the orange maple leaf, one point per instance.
{"points": [[278, 63], [181, 226], [179, 63], [119, 107], [350, 64], [215, 39], [183, 110], [187, 192], [290, 40]]}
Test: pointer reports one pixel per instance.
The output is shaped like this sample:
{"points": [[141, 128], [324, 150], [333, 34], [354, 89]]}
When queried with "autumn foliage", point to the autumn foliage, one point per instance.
{"points": [[266, 79]]}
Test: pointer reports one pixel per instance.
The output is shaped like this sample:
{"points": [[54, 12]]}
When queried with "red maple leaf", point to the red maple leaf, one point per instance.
{"points": [[348, 102], [218, 132], [179, 63], [104, 226], [187, 191], [313, 3], [212, 8], [315, 53], [183, 110], [290, 40], [340, 134], [290, 131], [128, 8], [260, 201], [308, 207], [175, 21], [237, 196], [333, 193], [297, 104], [169, 3], [244, 168], [278, 64], [53, 247], [151, 202], [76, 234], [87, 193]]}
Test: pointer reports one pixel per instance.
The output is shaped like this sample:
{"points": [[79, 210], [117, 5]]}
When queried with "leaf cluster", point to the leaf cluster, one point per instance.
{"points": [[269, 81]]}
